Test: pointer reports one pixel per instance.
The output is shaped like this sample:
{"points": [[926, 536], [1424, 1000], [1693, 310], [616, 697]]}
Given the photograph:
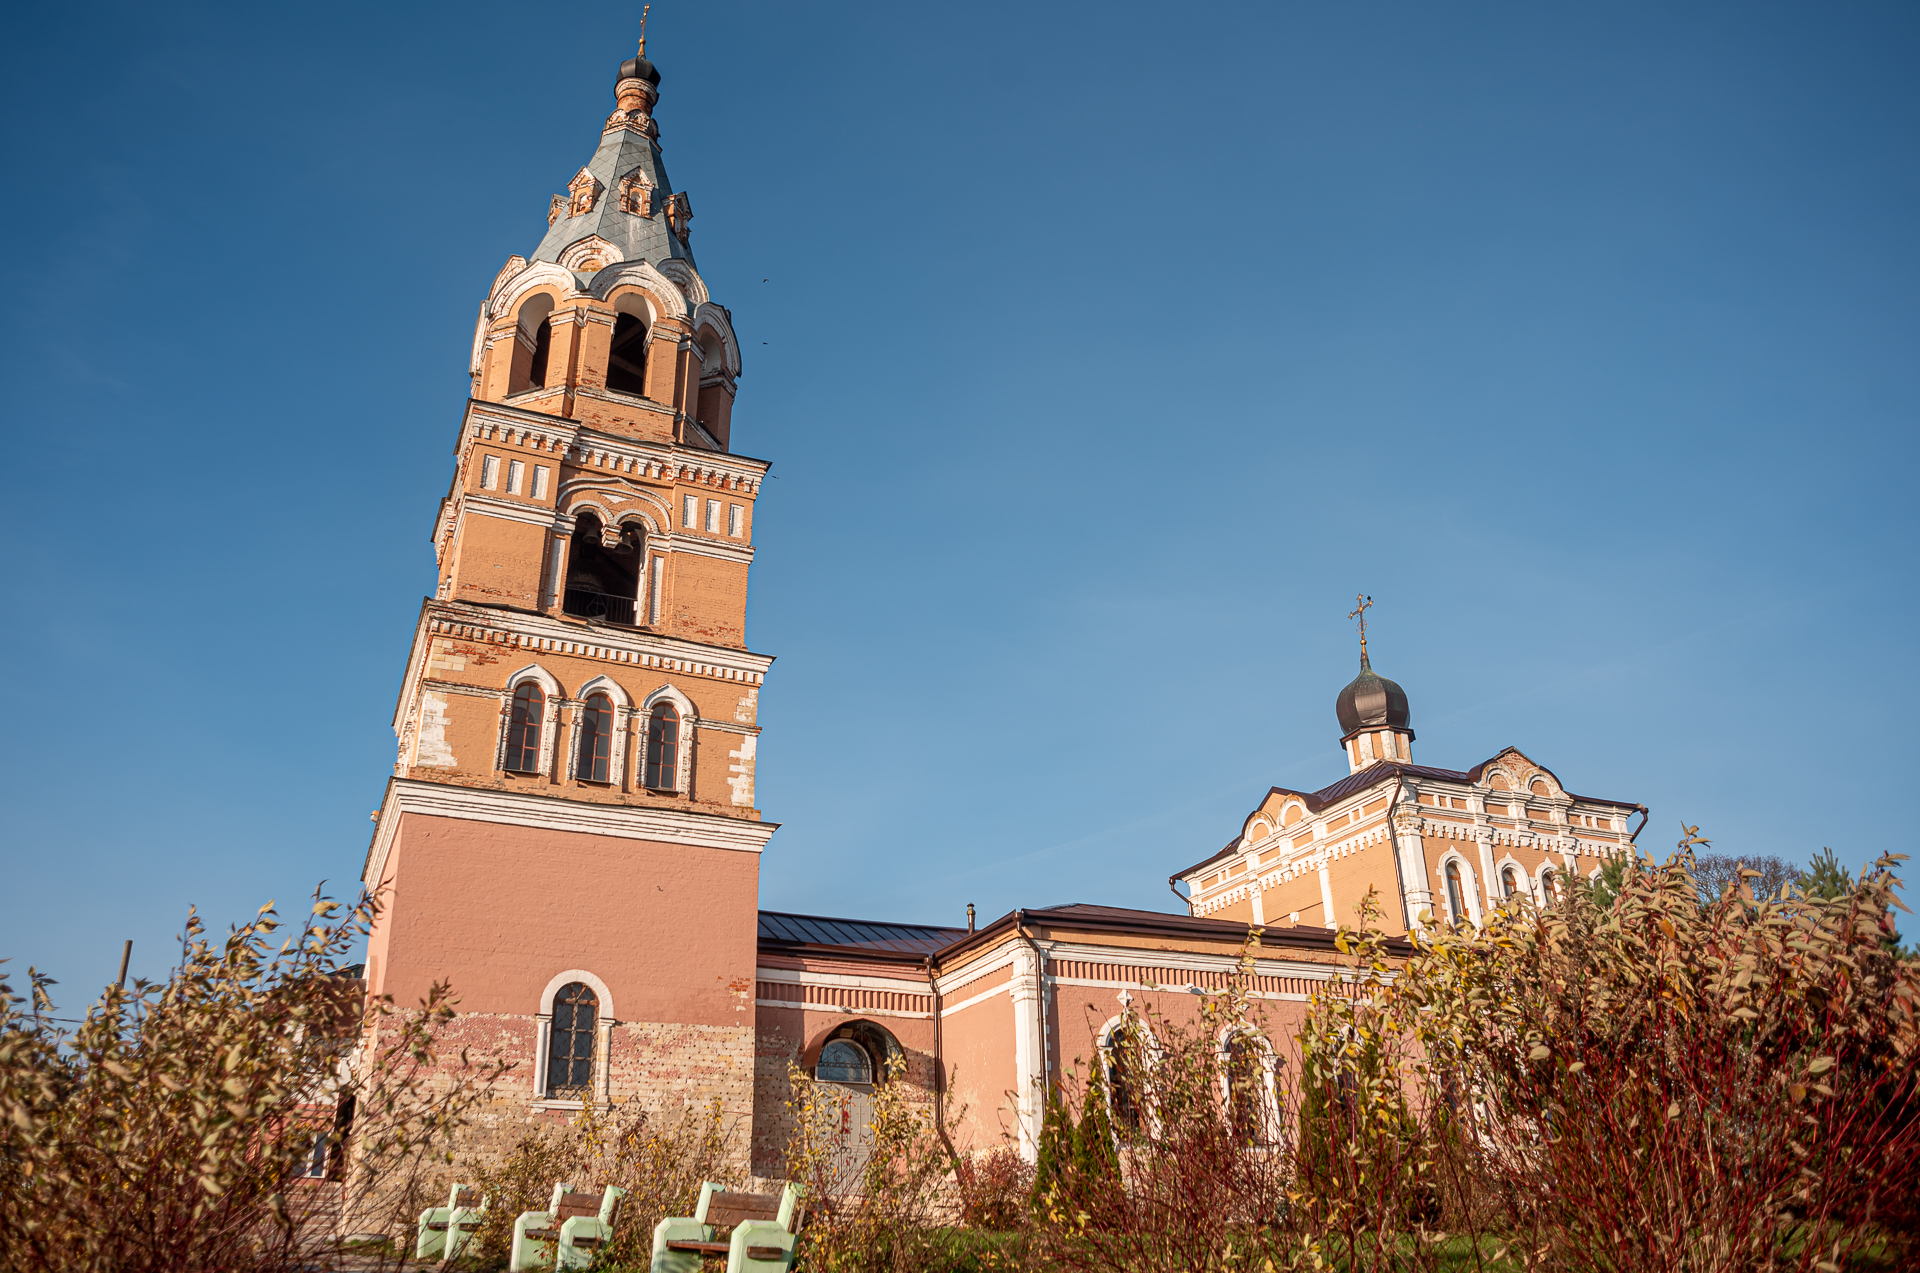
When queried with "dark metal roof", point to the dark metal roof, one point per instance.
{"points": [[781, 928]]}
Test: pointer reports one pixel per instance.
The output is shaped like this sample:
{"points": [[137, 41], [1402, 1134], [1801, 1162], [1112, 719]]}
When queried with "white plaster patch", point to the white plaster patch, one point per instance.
{"points": [[748, 709], [433, 748], [742, 771]]}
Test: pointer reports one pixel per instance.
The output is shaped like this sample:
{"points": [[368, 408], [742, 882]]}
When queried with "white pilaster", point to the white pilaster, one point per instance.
{"points": [[1028, 1049]]}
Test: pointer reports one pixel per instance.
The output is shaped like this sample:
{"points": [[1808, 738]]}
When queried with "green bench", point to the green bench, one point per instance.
{"points": [[764, 1228], [568, 1233], [445, 1231]]}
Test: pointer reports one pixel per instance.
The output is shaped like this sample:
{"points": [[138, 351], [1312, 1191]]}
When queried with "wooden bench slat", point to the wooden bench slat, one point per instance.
{"points": [[704, 1248], [765, 1252]]}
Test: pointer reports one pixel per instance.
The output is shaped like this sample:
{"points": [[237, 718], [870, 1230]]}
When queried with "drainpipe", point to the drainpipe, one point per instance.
{"points": [[1184, 900], [939, 1081], [1637, 830]]}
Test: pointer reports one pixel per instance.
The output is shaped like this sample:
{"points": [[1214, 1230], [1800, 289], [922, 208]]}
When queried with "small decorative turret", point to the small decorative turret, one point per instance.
{"points": [[1375, 724], [635, 90]]}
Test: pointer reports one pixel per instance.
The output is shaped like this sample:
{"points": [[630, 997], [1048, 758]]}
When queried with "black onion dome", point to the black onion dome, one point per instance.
{"points": [[638, 68], [1370, 701]]}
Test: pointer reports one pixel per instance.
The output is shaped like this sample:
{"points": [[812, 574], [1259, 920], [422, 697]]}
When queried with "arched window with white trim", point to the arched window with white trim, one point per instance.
{"points": [[571, 1042], [1456, 894], [1246, 1071], [593, 760], [663, 748], [1509, 883], [1123, 1062], [524, 720]]}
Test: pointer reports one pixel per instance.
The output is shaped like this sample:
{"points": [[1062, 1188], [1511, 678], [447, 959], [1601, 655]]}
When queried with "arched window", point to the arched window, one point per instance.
{"points": [[1246, 1080], [627, 361], [1509, 882], [570, 1043], [663, 748], [844, 1061], [542, 347], [533, 339], [595, 758], [1456, 895], [1123, 1063], [1550, 884], [523, 729]]}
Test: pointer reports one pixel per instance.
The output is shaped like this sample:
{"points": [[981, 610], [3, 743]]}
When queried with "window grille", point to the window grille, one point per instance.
{"points": [[844, 1061], [523, 729], [663, 748], [596, 740], [570, 1042]]}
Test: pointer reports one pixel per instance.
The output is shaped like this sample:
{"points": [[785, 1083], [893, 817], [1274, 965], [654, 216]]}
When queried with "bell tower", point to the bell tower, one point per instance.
{"points": [[569, 835]]}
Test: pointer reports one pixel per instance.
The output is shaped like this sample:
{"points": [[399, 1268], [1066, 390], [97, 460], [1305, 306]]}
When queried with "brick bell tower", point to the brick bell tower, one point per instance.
{"points": [[569, 834]]}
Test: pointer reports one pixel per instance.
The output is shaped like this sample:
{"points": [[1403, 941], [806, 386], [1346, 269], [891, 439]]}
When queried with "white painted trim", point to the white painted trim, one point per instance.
{"points": [[970, 973], [1184, 961], [550, 813], [506, 510], [948, 1009], [797, 1006], [539, 633], [849, 981], [563, 979], [1470, 892]]}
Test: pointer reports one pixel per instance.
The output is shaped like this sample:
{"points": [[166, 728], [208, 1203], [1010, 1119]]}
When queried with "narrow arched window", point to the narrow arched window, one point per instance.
{"points": [[844, 1061], [1509, 882], [663, 748], [1246, 1099], [595, 758], [1550, 885], [1124, 1061], [1456, 895], [523, 729], [542, 346], [576, 1014], [627, 360]]}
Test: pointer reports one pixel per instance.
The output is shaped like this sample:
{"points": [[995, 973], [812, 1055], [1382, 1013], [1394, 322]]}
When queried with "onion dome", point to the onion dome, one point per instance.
{"points": [[638, 68], [1371, 701]]}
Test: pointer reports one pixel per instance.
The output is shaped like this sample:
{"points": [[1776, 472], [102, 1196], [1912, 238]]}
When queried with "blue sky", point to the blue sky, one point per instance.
{"points": [[1103, 353]]}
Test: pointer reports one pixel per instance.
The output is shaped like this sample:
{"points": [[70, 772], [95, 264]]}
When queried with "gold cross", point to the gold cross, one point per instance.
{"points": [[1363, 604], [643, 28]]}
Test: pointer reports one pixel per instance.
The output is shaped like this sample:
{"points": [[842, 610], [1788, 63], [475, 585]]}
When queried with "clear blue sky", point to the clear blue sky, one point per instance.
{"points": [[1103, 352]]}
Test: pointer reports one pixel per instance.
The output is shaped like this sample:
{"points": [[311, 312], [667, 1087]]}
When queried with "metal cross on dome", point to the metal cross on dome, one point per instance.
{"points": [[1363, 604], [643, 28]]}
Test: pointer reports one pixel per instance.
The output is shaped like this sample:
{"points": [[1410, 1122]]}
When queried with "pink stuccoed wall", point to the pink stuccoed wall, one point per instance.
{"points": [[503, 909]]}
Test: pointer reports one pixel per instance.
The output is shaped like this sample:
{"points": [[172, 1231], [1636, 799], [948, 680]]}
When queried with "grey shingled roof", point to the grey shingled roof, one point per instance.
{"points": [[637, 237]]}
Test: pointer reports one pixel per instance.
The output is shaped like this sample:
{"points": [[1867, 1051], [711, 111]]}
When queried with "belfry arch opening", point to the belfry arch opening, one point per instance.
{"points": [[602, 582], [534, 344], [627, 361], [627, 358]]}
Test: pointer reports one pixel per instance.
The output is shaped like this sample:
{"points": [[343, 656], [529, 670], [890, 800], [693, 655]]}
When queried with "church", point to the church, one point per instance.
{"points": [[571, 836]]}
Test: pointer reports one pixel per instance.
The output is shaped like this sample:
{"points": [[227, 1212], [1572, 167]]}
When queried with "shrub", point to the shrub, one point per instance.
{"points": [[659, 1160], [995, 1188], [878, 1186], [1657, 1084], [169, 1130]]}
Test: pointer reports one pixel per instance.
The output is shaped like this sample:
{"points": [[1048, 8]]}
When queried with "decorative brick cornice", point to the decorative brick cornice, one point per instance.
{"points": [[549, 813], [539, 633]]}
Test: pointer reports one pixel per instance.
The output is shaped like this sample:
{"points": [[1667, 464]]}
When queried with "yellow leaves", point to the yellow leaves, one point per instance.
{"points": [[1820, 1065], [1539, 1052], [1673, 1111]]}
